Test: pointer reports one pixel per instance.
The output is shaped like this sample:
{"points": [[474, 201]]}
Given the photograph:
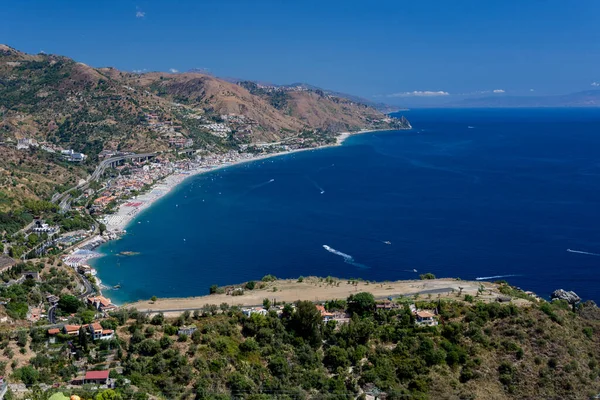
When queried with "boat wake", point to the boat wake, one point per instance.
{"points": [[347, 257], [262, 184], [583, 252], [316, 185], [485, 278]]}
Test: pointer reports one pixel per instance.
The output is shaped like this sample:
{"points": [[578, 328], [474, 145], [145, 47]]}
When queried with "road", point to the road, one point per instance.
{"points": [[63, 199], [89, 289], [393, 296], [52, 314]]}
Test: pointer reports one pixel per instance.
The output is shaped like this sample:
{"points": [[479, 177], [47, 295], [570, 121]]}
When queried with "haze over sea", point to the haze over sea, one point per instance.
{"points": [[466, 193]]}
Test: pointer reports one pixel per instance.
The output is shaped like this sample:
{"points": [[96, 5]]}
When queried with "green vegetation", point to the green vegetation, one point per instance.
{"points": [[269, 278], [428, 275], [479, 350]]}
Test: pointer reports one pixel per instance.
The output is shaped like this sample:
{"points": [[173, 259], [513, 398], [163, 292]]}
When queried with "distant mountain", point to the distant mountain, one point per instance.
{"points": [[57, 103], [588, 98], [384, 108]]}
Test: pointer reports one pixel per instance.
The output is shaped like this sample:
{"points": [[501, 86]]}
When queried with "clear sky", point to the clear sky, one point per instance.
{"points": [[386, 50]]}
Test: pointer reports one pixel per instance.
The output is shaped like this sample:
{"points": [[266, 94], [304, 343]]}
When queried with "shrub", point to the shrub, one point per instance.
{"points": [[269, 278], [250, 285], [426, 276], [469, 298]]}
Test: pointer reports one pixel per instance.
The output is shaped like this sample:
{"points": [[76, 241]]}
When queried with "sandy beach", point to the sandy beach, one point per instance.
{"points": [[129, 209], [317, 289]]}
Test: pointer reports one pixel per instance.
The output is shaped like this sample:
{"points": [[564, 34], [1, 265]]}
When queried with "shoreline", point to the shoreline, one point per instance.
{"points": [[125, 215], [118, 222], [319, 289]]}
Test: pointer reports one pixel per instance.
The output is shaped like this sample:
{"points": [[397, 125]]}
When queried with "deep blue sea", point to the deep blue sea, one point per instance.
{"points": [[466, 193]]}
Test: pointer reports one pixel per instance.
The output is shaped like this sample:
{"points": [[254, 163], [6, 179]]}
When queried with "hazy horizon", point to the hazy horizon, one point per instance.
{"points": [[395, 53]]}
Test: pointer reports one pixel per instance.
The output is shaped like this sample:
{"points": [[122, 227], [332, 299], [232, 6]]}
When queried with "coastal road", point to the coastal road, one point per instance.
{"points": [[64, 197], [393, 296], [89, 289], [52, 314]]}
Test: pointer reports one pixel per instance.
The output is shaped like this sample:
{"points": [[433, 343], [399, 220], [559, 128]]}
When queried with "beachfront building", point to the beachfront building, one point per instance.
{"points": [[101, 303]]}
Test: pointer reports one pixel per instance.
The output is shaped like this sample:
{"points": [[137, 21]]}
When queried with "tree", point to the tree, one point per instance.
{"points": [[28, 375], [336, 357], [108, 394], [361, 303], [306, 322], [266, 304], [426, 276], [250, 285], [213, 289], [22, 338], [158, 319], [102, 228], [69, 303], [83, 339], [153, 299], [87, 316]]}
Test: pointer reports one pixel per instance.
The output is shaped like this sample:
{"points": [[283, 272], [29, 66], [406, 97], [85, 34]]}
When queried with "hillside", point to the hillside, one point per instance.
{"points": [[354, 347], [51, 103]]}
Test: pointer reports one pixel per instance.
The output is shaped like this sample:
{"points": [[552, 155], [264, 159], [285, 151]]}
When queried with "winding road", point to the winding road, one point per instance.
{"points": [[63, 199]]}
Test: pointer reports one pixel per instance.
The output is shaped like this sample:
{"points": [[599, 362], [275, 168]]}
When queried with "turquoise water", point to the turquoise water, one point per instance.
{"points": [[466, 193]]}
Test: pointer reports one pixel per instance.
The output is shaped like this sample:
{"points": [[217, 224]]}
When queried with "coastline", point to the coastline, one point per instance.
{"points": [[318, 289], [128, 210]]}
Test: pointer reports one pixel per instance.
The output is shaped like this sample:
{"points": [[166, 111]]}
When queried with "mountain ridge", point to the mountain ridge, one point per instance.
{"points": [[58, 103]]}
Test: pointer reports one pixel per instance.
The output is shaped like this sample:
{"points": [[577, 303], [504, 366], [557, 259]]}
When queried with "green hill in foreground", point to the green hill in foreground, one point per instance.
{"points": [[479, 350]]}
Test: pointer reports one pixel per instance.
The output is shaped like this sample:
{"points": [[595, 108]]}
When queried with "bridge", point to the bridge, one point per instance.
{"points": [[63, 199]]}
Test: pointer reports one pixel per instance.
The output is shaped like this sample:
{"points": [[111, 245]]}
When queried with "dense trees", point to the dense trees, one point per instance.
{"points": [[69, 303], [306, 323], [361, 303], [510, 351]]}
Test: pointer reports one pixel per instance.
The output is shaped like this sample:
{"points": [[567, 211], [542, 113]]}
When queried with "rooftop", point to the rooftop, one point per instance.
{"points": [[97, 374], [424, 314]]}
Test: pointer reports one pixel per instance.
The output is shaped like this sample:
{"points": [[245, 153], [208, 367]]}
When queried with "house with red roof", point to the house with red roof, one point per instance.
{"points": [[425, 318], [99, 333], [98, 377], [71, 330], [101, 303]]}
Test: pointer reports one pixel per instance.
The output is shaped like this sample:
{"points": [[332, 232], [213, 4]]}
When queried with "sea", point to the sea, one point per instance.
{"points": [[488, 194]]}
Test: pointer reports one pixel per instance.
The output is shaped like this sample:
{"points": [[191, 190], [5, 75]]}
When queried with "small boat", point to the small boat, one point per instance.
{"points": [[387, 242], [117, 287]]}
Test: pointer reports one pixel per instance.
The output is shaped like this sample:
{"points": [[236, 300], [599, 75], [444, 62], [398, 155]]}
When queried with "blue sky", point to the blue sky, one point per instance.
{"points": [[383, 50]]}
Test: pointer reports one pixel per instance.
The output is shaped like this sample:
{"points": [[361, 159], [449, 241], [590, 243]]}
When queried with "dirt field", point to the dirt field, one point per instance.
{"points": [[317, 289]]}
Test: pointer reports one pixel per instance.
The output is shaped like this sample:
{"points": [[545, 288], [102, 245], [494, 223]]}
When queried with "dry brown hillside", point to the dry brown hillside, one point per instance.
{"points": [[58, 103]]}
